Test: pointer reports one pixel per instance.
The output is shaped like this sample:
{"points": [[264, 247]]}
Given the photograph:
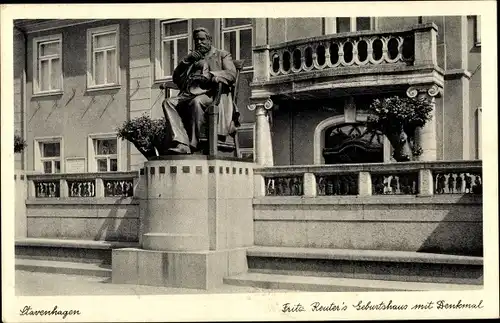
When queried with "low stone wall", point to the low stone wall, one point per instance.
{"points": [[103, 219], [440, 223], [86, 206]]}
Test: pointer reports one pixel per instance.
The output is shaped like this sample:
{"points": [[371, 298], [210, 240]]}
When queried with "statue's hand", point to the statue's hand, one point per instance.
{"points": [[193, 57]]}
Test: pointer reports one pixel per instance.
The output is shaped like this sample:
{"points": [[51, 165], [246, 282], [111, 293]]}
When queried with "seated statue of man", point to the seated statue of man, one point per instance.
{"points": [[197, 76]]}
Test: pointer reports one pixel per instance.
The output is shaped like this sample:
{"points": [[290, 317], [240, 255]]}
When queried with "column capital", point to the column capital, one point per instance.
{"points": [[261, 104], [429, 91]]}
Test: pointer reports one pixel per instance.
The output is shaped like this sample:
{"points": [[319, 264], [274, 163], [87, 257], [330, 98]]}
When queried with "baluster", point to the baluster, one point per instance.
{"points": [[399, 57], [458, 183], [451, 184], [468, 183], [385, 50], [478, 185]]}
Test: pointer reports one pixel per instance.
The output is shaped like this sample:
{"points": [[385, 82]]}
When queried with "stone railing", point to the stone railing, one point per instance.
{"points": [[411, 178], [82, 185], [409, 46]]}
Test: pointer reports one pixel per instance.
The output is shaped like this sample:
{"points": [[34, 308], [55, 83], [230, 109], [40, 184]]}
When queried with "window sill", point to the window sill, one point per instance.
{"points": [[48, 93], [103, 88]]}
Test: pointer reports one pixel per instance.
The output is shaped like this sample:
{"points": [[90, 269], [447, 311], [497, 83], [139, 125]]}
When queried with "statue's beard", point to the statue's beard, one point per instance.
{"points": [[203, 48]]}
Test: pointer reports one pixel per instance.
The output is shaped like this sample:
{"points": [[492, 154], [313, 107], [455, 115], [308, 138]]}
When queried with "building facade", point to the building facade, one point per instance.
{"points": [[76, 81]]}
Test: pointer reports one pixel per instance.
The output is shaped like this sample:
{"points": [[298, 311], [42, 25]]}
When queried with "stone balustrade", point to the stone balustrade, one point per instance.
{"points": [[405, 47], [410, 178], [82, 185]]}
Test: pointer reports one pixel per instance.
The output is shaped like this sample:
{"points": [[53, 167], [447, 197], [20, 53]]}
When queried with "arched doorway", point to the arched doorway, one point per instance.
{"points": [[351, 143]]}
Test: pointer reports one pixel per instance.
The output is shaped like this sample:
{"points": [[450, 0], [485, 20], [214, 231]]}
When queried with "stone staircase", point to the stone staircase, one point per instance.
{"points": [[285, 268], [64, 256], [311, 269]]}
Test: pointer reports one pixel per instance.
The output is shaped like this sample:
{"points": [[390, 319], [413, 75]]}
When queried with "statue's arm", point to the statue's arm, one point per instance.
{"points": [[228, 73], [179, 73]]}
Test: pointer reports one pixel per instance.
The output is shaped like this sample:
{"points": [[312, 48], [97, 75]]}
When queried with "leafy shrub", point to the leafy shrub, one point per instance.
{"points": [[147, 135], [398, 118], [19, 144]]}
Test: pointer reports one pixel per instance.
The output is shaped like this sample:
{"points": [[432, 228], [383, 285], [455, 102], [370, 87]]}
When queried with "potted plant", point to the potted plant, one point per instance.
{"points": [[19, 144], [146, 134], [398, 118]]}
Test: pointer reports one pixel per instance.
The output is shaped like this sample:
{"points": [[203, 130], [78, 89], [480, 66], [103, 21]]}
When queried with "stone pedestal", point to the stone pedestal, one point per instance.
{"points": [[197, 223]]}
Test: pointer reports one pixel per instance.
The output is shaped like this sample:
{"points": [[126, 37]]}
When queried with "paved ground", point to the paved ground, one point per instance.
{"points": [[45, 284]]}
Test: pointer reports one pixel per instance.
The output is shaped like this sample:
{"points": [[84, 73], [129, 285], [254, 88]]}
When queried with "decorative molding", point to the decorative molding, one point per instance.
{"points": [[429, 90], [457, 73], [267, 105], [32, 26]]}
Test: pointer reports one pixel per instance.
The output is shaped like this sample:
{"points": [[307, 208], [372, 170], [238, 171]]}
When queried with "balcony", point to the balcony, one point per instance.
{"points": [[348, 63]]}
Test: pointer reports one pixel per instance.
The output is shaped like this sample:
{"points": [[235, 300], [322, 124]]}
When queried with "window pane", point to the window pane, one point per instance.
{"points": [[168, 57], [111, 66], [55, 76], [47, 167], [49, 49], [175, 28], [182, 48], [231, 22], [245, 139], [51, 149], [113, 165], [104, 40], [102, 165], [343, 24], [363, 23], [100, 67], [106, 147], [246, 46], [44, 75], [57, 166], [230, 43]]}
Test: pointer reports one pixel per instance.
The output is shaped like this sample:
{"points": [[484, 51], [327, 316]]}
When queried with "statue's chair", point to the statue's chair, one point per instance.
{"points": [[210, 142]]}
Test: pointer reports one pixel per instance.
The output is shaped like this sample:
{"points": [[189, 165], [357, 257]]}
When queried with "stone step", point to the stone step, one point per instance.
{"points": [[67, 250], [63, 267], [366, 264], [331, 284]]}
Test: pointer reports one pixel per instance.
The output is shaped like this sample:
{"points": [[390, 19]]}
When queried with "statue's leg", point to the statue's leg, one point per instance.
{"points": [[174, 120], [197, 107]]}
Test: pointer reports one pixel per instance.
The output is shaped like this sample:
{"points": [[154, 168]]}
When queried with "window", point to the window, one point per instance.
{"points": [[246, 141], [103, 56], [105, 155], [477, 31], [47, 64], [172, 45], [237, 39], [104, 152], [349, 24], [48, 155]]}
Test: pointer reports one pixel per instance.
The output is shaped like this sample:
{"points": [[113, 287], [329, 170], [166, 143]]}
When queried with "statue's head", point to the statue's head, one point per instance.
{"points": [[202, 40]]}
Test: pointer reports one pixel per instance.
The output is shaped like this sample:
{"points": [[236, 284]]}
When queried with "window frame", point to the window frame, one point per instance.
{"points": [[237, 29], [477, 31], [91, 33], [37, 41], [247, 127], [38, 150], [92, 156], [159, 39]]}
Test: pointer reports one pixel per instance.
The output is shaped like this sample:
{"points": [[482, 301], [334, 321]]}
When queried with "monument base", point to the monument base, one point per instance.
{"points": [[193, 269], [196, 223]]}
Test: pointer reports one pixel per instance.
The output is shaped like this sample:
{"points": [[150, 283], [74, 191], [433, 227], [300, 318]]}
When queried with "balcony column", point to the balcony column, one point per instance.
{"points": [[425, 136], [263, 142]]}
